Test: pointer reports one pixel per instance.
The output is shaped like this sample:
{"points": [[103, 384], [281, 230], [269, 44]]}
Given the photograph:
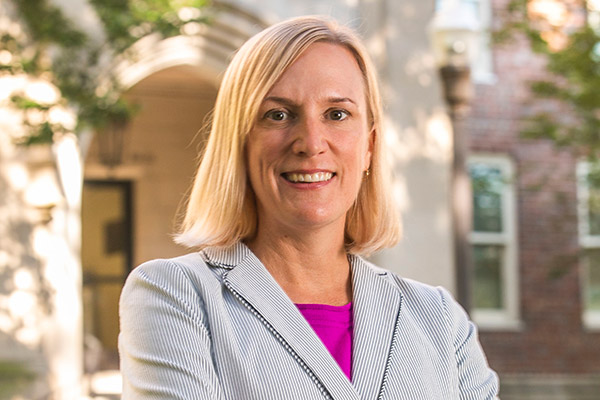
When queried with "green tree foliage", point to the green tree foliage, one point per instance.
{"points": [[13, 377], [573, 79], [55, 49], [127, 21]]}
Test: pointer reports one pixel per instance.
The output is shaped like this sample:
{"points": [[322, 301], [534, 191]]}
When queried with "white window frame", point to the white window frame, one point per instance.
{"points": [[591, 318], [482, 67], [507, 318]]}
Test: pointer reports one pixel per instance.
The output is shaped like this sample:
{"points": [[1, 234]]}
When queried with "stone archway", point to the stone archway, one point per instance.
{"points": [[209, 50]]}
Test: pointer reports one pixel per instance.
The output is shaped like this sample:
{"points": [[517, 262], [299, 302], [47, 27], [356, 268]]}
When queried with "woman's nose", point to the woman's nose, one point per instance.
{"points": [[309, 137]]}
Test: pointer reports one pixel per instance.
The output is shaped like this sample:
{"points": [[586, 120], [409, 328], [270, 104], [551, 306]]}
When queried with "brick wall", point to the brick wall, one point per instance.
{"points": [[552, 338]]}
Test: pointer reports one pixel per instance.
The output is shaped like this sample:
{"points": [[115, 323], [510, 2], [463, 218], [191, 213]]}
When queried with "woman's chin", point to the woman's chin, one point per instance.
{"points": [[312, 219]]}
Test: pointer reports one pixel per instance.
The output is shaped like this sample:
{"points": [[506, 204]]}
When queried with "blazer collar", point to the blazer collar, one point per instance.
{"points": [[226, 257], [376, 304]]}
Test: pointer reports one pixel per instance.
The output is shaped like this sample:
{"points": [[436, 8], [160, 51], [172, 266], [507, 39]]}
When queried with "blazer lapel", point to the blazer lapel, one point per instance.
{"points": [[377, 305], [252, 284]]}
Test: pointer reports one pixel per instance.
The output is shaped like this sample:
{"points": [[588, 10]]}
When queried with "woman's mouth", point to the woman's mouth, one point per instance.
{"points": [[295, 177]]}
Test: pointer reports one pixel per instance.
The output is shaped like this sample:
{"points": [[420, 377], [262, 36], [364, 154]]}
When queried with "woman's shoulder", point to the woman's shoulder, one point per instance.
{"points": [[416, 294], [187, 274], [429, 307], [188, 264], [184, 284], [200, 270]]}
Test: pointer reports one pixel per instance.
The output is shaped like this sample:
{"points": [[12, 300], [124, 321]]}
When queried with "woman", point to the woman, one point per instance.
{"points": [[278, 304]]}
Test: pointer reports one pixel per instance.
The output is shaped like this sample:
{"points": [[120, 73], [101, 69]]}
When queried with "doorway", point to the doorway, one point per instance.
{"points": [[107, 257]]}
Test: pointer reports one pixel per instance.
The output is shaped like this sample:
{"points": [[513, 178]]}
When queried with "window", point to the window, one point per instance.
{"points": [[494, 243], [588, 192], [481, 64]]}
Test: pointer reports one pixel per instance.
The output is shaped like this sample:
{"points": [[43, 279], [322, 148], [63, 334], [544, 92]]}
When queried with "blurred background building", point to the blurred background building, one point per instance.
{"points": [[78, 212]]}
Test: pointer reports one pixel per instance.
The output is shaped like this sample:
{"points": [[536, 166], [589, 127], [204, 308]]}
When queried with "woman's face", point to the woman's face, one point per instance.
{"points": [[311, 142]]}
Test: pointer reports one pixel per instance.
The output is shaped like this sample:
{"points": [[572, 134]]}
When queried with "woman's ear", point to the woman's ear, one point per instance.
{"points": [[369, 152]]}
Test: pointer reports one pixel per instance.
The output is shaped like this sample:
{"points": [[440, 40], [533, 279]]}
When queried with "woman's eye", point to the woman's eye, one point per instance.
{"points": [[338, 115], [277, 115]]}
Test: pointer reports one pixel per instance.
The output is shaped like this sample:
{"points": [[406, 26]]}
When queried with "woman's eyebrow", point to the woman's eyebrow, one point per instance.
{"points": [[280, 100], [341, 100], [291, 103]]}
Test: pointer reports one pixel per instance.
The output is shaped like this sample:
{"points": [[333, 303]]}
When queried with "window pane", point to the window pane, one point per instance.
{"points": [[592, 283], [473, 4], [487, 183], [594, 201], [487, 287]]}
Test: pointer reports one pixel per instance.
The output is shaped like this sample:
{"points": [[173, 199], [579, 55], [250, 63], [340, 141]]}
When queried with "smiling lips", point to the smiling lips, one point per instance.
{"points": [[308, 178]]}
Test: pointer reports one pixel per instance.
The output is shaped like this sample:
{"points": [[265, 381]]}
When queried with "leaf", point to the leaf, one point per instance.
{"points": [[42, 134], [25, 103], [546, 88], [47, 24], [540, 126]]}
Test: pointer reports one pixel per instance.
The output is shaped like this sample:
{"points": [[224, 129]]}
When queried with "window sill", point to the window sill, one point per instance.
{"points": [[591, 320], [488, 78], [496, 321]]}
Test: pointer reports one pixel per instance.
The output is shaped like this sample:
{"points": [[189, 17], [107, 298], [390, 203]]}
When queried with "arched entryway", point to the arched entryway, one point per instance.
{"points": [[129, 212]]}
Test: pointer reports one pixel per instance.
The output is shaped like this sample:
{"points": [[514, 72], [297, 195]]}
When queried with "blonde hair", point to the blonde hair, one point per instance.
{"points": [[221, 208]]}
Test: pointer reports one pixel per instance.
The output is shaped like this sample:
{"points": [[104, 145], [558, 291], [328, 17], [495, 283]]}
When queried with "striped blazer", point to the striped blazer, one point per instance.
{"points": [[216, 325]]}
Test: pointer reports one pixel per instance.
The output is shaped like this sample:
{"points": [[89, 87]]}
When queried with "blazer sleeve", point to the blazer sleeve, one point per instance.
{"points": [[164, 344], [477, 381]]}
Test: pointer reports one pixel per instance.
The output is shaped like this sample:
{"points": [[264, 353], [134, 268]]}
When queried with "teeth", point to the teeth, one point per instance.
{"points": [[317, 177]]}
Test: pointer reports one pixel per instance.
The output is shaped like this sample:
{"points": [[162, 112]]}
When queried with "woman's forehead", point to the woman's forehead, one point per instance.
{"points": [[324, 71]]}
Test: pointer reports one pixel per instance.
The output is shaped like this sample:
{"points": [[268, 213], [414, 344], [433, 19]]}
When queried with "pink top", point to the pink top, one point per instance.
{"points": [[335, 327]]}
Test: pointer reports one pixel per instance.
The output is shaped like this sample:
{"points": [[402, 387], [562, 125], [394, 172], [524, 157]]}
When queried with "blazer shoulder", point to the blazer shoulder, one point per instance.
{"points": [[427, 295], [184, 262], [167, 272], [186, 283], [414, 292]]}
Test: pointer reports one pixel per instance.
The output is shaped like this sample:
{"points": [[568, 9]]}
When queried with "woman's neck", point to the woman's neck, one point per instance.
{"points": [[310, 267]]}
